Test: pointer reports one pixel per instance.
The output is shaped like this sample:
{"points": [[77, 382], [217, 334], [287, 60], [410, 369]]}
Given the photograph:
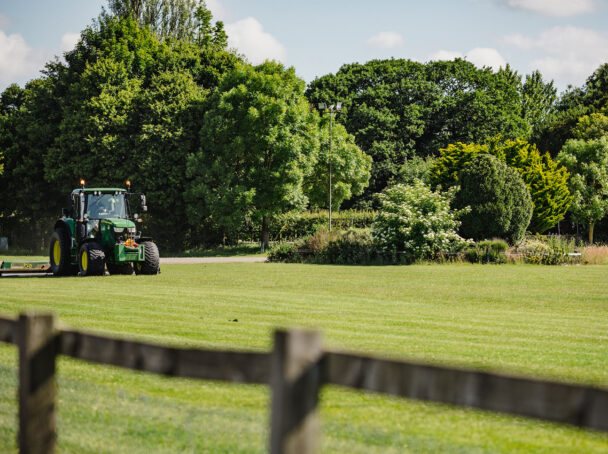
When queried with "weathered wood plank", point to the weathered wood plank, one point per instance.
{"points": [[37, 341], [572, 404], [240, 367], [296, 381], [8, 327]]}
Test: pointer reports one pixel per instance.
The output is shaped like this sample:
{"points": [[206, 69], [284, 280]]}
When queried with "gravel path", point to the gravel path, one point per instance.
{"points": [[189, 260]]}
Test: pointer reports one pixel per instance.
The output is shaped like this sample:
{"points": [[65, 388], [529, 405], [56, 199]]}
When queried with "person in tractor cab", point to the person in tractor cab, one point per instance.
{"points": [[105, 206]]}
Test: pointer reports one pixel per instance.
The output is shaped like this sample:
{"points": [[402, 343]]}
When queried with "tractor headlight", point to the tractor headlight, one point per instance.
{"points": [[119, 229], [131, 229]]}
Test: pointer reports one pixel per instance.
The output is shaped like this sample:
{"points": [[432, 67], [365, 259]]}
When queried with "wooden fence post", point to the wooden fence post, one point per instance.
{"points": [[295, 382], [37, 342]]}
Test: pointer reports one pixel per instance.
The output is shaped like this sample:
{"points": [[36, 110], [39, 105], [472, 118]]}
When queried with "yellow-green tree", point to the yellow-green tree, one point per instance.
{"points": [[546, 179]]}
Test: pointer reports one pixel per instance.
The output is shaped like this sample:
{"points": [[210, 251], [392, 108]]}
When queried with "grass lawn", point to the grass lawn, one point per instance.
{"points": [[550, 322]]}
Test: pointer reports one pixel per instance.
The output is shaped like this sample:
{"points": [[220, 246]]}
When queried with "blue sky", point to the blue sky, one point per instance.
{"points": [[565, 39]]}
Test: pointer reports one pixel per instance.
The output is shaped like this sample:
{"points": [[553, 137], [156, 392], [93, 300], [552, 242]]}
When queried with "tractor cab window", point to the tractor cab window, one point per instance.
{"points": [[104, 206]]}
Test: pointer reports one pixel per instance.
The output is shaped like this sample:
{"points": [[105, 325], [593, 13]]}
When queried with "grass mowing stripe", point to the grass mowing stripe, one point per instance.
{"points": [[546, 321]]}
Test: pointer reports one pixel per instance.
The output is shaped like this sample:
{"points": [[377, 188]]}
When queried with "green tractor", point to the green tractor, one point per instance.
{"points": [[97, 231]]}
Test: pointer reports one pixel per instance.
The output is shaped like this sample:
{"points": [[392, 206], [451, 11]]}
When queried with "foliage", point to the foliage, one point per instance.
{"points": [[257, 174], [124, 105], [500, 202], [294, 225], [594, 126], [284, 253], [416, 222], [487, 251], [416, 168], [347, 247], [181, 19], [350, 168], [352, 247], [546, 180], [573, 104], [397, 109], [546, 250], [538, 101], [587, 162]]}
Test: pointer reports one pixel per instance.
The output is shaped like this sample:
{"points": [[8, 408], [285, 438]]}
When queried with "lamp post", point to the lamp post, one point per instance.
{"points": [[332, 109]]}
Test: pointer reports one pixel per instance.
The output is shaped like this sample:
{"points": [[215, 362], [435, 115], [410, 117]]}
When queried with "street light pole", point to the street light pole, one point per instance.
{"points": [[332, 109]]}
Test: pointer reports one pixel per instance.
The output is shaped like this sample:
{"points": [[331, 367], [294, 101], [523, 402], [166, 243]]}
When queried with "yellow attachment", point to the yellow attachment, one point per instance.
{"points": [[130, 243], [84, 260], [57, 253]]}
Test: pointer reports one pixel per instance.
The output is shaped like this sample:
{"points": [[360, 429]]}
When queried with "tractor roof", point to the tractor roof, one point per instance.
{"points": [[99, 190]]}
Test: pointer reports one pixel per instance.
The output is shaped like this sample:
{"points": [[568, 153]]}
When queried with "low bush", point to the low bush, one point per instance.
{"points": [[487, 251], [351, 247], [547, 250], [416, 223]]}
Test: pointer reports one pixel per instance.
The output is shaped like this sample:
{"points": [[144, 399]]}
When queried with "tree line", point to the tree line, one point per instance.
{"points": [[152, 93]]}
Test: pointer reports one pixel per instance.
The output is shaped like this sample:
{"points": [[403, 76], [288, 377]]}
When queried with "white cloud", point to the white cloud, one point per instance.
{"points": [[386, 40], [484, 56], [566, 54], [479, 56], [219, 11], [446, 55], [69, 41], [560, 8], [248, 37], [18, 61]]}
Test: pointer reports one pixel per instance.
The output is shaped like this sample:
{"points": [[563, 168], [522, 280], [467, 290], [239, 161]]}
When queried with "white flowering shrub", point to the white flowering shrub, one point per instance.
{"points": [[416, 223]]}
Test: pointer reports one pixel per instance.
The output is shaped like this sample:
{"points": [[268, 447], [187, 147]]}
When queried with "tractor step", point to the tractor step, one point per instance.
{"points": [[24, 267]]}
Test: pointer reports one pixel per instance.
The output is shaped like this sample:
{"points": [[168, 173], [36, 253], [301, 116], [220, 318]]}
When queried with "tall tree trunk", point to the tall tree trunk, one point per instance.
{"points": [[591, 225], [265, 232]]}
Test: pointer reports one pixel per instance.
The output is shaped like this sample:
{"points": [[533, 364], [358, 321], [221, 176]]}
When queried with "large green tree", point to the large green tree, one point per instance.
{"points": [[587, 162], [397, 109], [182, 19], [574, 103], [350, 168], [124, 104], [258, 143]]}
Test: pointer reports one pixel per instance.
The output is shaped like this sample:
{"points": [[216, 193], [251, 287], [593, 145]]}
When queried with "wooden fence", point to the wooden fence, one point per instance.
{"points": [[295, 369]]}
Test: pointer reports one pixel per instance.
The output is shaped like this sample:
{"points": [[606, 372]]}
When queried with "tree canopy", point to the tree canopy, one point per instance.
{"points": [[500, 202], [587, 162], [257, 146]]}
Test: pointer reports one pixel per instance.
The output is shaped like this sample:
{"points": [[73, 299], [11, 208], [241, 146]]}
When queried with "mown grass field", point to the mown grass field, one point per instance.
{"points": [[550, 322]]}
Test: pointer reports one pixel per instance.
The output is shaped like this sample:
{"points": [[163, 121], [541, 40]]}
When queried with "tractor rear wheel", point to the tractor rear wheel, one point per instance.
{"points": [[120, 268], [152, 263], [60, 256], [91, 259]]}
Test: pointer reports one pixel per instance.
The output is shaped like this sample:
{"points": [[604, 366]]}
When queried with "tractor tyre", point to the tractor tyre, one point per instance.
{"points": [[91, 259], [152, 263], [60, 256], [120, 268]]}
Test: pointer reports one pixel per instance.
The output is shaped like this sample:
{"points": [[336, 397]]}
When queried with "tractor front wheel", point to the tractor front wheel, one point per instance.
{"points": [[91, 259], [60, 255], [152, 263]]}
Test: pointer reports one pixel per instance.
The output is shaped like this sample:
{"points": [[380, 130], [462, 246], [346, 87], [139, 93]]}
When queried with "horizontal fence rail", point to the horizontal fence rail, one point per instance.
{"points": [[295, 369]]}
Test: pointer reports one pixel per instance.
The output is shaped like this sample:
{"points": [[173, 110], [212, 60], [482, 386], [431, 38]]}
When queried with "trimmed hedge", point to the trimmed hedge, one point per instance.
{"points": [[294, 225]]}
